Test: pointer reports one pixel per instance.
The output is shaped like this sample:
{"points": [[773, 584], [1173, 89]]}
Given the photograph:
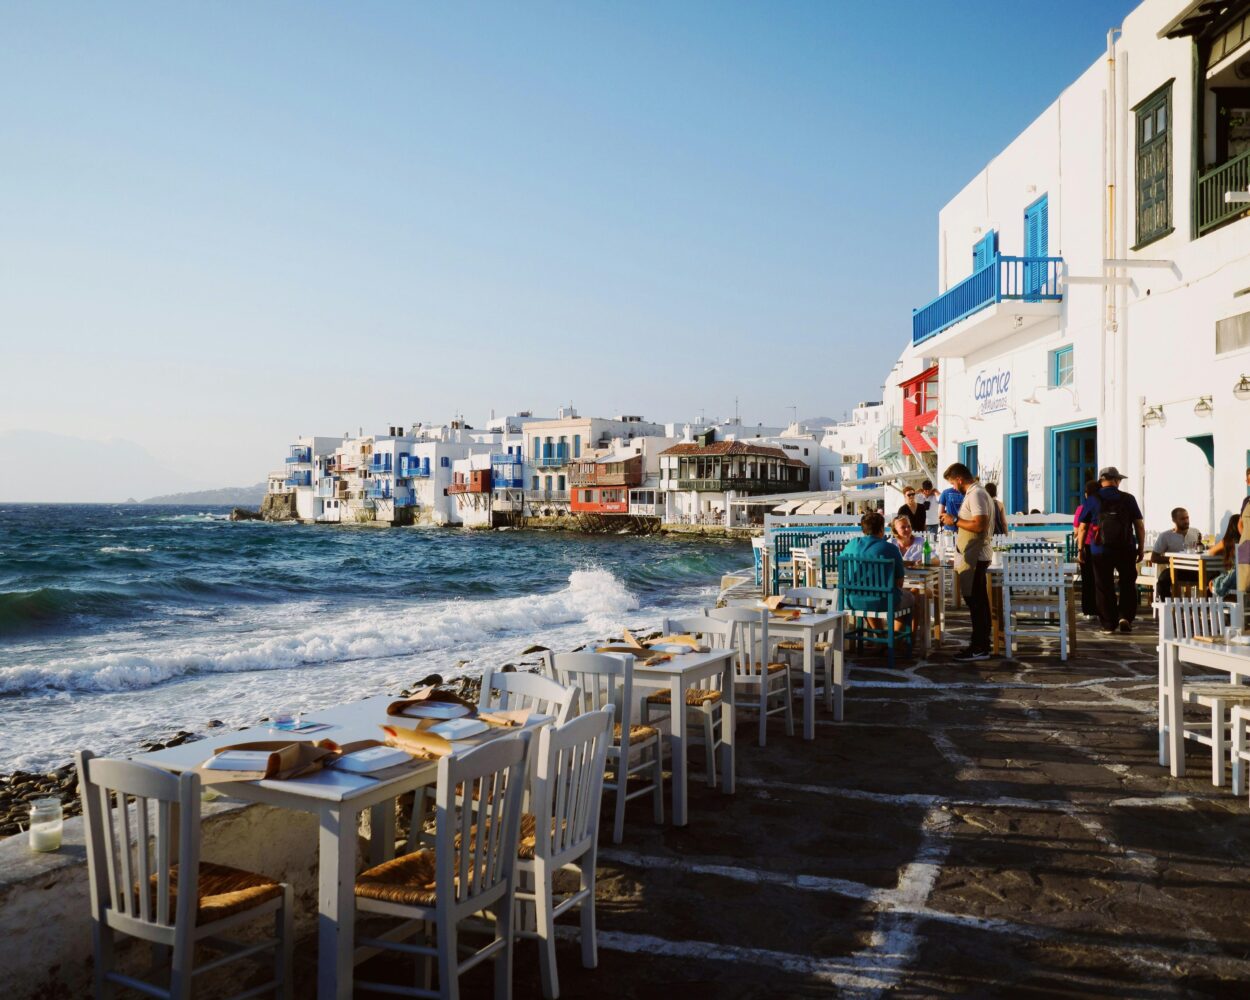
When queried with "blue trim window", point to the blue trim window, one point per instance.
{"points": [[577, 446], [1062, 366], [984, 252], [445, 462], [968, 455]]}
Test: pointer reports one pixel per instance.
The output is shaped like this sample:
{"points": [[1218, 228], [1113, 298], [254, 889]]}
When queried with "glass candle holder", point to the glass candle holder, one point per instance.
{"points": [[46, 823]]}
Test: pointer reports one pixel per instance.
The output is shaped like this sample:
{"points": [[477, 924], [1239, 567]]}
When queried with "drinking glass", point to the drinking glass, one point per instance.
{"points": [[46, 823]]}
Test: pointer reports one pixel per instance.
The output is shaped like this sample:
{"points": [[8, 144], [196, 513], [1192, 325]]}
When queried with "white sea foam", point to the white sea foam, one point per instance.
{"points": [[111, 549], [593, 597]]}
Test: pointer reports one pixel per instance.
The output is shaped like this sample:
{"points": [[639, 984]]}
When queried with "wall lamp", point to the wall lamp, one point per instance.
{"points": [[1152, 415], [1203, 407], [1242, 389]]}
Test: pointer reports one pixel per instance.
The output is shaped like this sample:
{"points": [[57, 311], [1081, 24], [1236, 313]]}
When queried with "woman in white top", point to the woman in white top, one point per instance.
{"points": [[909, 544]]}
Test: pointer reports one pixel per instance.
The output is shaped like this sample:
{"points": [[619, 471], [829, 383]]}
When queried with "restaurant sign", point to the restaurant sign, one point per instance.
{"points": [[990, 390]]}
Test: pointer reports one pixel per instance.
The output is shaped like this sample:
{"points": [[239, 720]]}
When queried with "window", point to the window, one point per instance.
{"points": [[560, 480], [1062, 367], [445, 462], [577, 446], [533, 482], [1154, 166]]}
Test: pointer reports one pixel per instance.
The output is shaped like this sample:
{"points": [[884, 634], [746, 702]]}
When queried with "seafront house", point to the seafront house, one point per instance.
{"points": [[701, 478], [301, 461], [1093, 302], [852, 448], [552, 446], [621, 480]]}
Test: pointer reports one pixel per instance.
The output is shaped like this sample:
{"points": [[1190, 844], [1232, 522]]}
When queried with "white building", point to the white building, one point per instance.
{"points": [[1094, 283], [851, 447]]}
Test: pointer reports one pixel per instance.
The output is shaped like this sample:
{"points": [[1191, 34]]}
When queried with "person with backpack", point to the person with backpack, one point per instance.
{"points": [[1000, 512], [1117, 546]]}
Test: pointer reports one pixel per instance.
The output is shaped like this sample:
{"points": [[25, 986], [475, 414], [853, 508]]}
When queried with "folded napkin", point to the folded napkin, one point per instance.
{"points": [[679, 640], [285, 760], [506, 717], [788, 615], [425, 696], [419, 742]]}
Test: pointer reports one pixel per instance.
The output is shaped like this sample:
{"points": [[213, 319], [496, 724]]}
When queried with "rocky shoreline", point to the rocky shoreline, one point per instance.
{"points": [[18, 788]]}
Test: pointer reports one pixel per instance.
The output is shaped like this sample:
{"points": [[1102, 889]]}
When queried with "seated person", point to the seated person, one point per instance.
{"points": [[1181, 538], [1225, 585], [910, 545], [872, 545]]}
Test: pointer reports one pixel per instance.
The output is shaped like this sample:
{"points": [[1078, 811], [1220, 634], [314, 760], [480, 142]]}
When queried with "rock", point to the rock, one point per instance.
{"points": [[534, 649], [243, 514], [508, 668], [433, 680], [214, 724], [278, 507]]}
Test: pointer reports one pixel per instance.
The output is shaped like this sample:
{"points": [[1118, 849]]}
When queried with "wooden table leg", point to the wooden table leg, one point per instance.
{"points": [[336, 909], [677, 743], [727, 722]]}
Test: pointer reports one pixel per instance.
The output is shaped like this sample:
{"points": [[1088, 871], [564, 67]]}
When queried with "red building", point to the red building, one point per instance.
{"points": [[601, 485], [920, 412]]}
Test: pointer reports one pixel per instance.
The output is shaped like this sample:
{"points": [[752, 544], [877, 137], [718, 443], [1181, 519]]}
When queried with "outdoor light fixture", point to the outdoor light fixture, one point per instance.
{"points": [[1019, 322], [1242, 389], [1203, 407], [1237, 197], [1031, 398], [1153, 415]]}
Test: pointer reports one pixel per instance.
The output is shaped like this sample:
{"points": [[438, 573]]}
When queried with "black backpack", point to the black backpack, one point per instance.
{"points": [[1115, 529]]}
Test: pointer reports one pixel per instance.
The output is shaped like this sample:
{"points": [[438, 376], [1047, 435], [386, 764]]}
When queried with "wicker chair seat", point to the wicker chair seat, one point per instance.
{"points": [[695, 697], [796, 645], [408, 880], [638, 731], [223, 891], [773, 668]]}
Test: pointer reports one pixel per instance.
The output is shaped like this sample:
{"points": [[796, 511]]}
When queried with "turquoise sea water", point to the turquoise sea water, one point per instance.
{"points": [[117, 623]]}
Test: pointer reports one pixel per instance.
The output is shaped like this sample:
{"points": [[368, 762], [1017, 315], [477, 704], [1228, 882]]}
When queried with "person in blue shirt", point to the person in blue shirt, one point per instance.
{"points": [[950, 501], [872, 545], [1112, 524]]}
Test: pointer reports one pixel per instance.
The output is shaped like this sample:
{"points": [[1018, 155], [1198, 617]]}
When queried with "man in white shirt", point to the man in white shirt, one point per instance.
{"points": [[928, 499], [1182, 538], [975, 523]]}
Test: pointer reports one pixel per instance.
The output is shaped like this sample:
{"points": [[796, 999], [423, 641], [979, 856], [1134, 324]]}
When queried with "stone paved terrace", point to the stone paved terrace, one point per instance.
{"points": [[999, 829]]}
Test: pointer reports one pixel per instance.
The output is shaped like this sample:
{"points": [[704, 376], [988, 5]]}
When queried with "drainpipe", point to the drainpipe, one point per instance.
{"points": [[1109, 324]]}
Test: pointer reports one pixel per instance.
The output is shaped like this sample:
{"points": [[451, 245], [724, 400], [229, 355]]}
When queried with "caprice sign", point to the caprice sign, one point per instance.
{"points": [[990, 390]]}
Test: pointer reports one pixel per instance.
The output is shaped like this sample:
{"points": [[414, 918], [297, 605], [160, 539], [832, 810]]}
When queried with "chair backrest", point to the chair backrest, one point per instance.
{"points": [[749, 638], [712, 631], [477, 819], [821, 598], [140, 821], [865, 584], [1186, 617], [568, 784], [525, 690], [1032, 569], [603, 678]]}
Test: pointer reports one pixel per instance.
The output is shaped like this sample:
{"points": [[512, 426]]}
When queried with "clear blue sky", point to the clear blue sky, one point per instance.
{"points": [[222, 225]]}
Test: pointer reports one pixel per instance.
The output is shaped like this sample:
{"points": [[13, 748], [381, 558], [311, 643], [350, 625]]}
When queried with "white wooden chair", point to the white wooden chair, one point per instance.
{"points": [[542, 695], [764, 681], [1033, 584], [143, 846], [1184, 618], [472, 870], [1239, 717], [608, 679], [703, 705], [831, 654], [562, 834]]}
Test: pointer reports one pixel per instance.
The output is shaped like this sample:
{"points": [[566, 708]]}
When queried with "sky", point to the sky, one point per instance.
{"points": [[225, 225]]}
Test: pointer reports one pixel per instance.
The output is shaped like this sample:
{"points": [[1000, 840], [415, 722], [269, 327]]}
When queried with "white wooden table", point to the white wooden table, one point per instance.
{"points": [[1205, 567], [684, 671], [812, 628], [1233, 660], [338, 799], [930, 584]]}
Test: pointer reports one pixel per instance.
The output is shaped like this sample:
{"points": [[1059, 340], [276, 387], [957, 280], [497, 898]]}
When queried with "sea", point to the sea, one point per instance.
{"points": [[120, 624]]}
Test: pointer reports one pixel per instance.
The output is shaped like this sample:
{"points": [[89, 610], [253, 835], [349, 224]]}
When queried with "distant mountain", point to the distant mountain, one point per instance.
{"points": [[819, 421], [227, 496], [40, 467]]}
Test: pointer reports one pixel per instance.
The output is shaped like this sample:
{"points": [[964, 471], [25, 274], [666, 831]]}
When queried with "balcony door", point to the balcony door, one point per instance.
{"points": [[1036, 246], [1016, 485]]}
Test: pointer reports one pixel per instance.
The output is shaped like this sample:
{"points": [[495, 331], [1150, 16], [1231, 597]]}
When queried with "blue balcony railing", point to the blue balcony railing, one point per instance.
{"points": [[414, 470], [299, 455], [378, 491], [299, 479], [1025, 279], [554, 455]]}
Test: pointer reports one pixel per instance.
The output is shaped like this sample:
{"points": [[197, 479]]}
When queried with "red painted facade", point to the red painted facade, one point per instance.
{"points": [[920, 410], [599, 500]]}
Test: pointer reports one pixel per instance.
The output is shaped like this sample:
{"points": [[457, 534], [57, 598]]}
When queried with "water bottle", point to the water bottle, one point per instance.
{"points": [[928, 552]]}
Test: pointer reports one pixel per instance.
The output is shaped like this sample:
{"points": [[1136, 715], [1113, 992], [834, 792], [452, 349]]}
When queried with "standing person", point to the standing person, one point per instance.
{"points": [[1089, 591], [948, 507], [1180, 538], [1116, 550], [975, 524], [1000, 512], [932, 509], [911, 509]]}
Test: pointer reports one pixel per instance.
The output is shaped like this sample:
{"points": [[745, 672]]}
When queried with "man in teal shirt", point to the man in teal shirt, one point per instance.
{"points": [[872, 545]]}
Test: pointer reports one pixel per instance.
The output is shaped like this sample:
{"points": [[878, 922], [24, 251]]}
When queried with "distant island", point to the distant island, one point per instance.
{"points": [[227, 496]]}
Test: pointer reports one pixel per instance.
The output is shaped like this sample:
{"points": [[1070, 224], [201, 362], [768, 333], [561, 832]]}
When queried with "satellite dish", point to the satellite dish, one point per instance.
{"points": [[1242, 70]]}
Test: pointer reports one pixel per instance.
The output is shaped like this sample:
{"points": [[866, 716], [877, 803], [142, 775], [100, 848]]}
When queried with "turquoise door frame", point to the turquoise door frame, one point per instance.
{"points": [[1059, 491], [1016, 473], [969, 452]]}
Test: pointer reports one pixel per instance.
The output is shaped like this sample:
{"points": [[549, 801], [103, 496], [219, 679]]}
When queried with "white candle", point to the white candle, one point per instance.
{"points": [[45, 836]]}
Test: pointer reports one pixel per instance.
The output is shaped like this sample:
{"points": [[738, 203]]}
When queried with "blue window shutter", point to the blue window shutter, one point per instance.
{"points": [[985, 249]]}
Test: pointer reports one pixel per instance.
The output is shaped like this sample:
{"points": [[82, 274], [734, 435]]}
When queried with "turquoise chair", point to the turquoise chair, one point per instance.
{"points": [[785, 542], [866, 590], [830, 551]]}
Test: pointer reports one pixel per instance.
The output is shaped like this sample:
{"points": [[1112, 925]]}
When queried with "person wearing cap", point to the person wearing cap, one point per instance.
{"points": [[1116, 547], [974, 541]]}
